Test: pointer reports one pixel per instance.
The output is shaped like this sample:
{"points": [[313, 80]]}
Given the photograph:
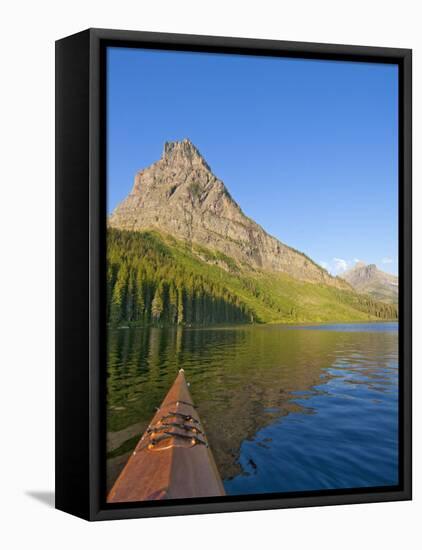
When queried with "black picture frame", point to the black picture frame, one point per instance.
{"points": [[80, 264]]}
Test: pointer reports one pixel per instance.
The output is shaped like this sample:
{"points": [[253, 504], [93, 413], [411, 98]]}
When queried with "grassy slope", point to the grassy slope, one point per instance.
{"points": [[273, 297]]}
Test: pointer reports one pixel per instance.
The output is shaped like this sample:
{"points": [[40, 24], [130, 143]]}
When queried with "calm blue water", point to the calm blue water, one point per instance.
{"points": [[344, 436], [285, 408]]}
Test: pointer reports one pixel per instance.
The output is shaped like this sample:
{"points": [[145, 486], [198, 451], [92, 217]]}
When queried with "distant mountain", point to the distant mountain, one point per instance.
{"points": [[368, 279], [180, 195], [181, 251]]}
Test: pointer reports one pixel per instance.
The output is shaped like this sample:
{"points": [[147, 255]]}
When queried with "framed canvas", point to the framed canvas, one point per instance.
{"points": [[233, 281]]}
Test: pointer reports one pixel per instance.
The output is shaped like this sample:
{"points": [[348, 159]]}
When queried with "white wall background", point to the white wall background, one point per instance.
{"points": [[29, 29]]}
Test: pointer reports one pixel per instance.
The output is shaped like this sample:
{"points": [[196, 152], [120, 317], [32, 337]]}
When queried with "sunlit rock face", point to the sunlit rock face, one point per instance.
{"points": [[179, 195], [368, 279]]}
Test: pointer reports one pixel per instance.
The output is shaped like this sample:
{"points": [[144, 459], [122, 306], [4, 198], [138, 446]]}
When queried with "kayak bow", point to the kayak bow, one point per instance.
{"points": [[172, 459]]}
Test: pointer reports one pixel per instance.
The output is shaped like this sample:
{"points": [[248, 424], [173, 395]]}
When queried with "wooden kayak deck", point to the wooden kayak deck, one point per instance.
{"points": [[172, 459]]}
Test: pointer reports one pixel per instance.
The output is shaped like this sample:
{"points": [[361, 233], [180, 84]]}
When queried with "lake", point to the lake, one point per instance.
{"points": [[284, 408]]}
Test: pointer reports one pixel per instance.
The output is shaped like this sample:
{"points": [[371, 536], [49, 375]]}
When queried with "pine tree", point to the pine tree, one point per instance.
{"points": [[180, 313], [157, 305], [118, 299], [140, 302], [172, 309], [130, 297]]}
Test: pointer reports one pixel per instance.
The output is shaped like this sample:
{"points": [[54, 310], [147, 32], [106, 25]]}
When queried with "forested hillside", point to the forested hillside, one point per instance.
{"points": [[146, 284], [155, 279]]}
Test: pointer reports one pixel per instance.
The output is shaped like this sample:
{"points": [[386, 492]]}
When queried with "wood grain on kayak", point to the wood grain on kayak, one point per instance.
{"points": [[172, 459]]}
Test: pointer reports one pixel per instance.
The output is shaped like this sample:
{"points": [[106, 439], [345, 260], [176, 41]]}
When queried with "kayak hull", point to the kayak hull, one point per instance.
{"points": [[172, 460]]}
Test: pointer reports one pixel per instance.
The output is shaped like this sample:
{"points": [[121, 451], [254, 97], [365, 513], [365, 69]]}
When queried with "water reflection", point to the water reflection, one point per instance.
{"points": [[284, 408]]}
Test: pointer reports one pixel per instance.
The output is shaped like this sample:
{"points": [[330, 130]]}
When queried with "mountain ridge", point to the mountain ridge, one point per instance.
{"points": [[181, 251], [180, 195], [153, 278], [369, 279]]}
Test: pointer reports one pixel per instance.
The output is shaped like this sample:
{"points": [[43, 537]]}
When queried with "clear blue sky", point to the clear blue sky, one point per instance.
{"points": [[307, 148]]}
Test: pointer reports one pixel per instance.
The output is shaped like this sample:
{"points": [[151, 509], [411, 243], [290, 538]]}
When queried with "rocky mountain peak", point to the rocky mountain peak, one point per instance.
{"points": [[183, 152], [369, 279], [180, 196], [362, 269]]}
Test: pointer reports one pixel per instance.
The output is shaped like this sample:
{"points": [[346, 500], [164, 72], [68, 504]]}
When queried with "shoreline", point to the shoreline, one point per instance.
{"points": [[255, 325]]}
